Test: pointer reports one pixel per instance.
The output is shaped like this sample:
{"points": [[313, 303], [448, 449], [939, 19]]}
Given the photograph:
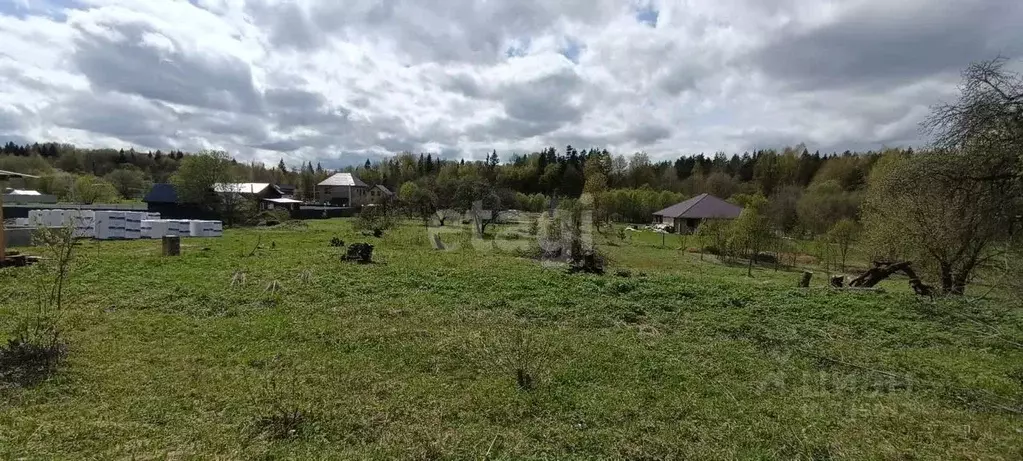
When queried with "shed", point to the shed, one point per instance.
{"points": [[686, 216], [5, 176], [163, 198], [289, 204], [161, 193]]}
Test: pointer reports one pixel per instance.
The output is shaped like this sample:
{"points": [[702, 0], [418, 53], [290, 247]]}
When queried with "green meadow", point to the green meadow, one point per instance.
{"points": [[479, 353]]}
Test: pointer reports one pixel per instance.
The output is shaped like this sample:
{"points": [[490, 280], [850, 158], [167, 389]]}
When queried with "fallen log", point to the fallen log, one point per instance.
{"points": [[882, 270]]}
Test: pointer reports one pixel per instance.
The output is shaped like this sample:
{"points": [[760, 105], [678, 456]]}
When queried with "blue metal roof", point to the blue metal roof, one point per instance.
{"points": [[162, 193]]}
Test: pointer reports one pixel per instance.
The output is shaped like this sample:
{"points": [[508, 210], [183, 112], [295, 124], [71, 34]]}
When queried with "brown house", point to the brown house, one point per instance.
{"points": [[687, 216]]}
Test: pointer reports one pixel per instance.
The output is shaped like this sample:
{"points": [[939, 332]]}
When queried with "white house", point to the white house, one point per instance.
{"points": [[343, 189]]}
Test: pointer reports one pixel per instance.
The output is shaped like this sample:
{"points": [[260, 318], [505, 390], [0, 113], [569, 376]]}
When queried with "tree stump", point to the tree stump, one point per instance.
{"points": [[437, 243], [171, 245], [805, 281], [361, 253], [838, 281]]}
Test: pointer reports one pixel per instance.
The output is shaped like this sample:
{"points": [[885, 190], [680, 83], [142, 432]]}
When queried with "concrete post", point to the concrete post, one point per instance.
{"points": [[171, 245]]}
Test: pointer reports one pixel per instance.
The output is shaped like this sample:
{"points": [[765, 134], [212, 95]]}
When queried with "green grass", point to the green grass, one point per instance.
{"points": [[416, 357]]}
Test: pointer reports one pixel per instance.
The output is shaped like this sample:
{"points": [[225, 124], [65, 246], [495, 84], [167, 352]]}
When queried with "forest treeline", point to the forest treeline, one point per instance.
{"points": [[821, 188]]}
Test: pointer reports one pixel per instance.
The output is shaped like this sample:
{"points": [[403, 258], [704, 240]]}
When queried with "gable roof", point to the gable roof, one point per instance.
{"points": [[241, 187], [162, 193], [21, 192], [703, 206], [343, 179], [383, 189]]}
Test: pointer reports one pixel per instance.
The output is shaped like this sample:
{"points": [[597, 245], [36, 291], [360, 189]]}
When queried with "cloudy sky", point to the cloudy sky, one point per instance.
{"points": [[341, 81]]}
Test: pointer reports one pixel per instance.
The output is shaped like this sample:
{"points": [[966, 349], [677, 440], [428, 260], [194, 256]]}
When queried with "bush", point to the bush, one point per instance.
{"points": [[26, 362], [37, 346], [361, 253], [375, 220], [272, 217], [766, 258]]}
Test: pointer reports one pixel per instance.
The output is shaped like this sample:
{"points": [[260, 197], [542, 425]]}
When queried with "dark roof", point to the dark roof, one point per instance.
{"points": [[703, 206], [383, 189], [162, 193]]}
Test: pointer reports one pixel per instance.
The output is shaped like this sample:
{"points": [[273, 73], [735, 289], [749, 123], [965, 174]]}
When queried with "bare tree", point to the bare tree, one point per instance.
{"points": [[986, 122], [953, 205]]}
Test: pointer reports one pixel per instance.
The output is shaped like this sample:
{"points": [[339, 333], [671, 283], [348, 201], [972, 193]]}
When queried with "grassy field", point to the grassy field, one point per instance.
{"points": [[416, 357]]}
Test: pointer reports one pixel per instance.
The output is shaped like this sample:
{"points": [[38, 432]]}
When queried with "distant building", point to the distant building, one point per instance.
{"points": [[379, 193], [687, 216], [27, 196], [287, 189], [163, 198], [268, 196], [343, 189], [253, 189]]}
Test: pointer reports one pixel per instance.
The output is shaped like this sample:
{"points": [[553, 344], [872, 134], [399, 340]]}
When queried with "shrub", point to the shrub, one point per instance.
{"points": [[361, 253], [37, 347], [374, 220], [271, 217]]}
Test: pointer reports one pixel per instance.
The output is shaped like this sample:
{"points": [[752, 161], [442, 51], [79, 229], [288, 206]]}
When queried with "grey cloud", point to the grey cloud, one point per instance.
{"points": [[426, 30], [291, 27], [462, 83], [291, 107], [647, 134], [533, 108], [115, 115], [9, 118], [860, 81], [884, 45], [241, 126], [128, 65], [346, 158], [547, 100]]}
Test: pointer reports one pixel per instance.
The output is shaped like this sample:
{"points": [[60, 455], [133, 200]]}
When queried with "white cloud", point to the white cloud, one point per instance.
{"points": [[319, 80]]}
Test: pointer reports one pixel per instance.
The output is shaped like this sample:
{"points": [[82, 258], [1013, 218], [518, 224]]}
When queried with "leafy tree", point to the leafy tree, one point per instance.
{"points": [[767, 172], [824, 204], [720, 184], [418, 200], [843, 234], [376, 219], [596, 186], [783, 208], [918, 208], [90, 189], [197, 174], [716, 232], [57, 183], [71, 162], [129, 182], [751, 232]]}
